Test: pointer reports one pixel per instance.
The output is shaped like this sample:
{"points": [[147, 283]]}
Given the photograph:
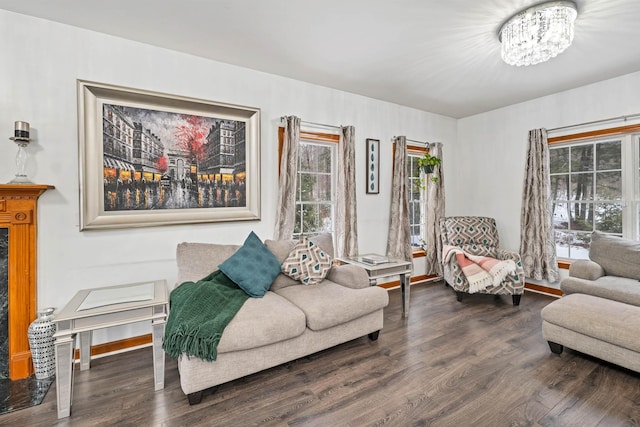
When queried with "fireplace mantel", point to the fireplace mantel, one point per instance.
{"points": [[18, 213]]}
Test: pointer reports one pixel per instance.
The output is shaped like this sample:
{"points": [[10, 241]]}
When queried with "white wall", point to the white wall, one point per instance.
{"points": [[42, 61], [491, 149]]}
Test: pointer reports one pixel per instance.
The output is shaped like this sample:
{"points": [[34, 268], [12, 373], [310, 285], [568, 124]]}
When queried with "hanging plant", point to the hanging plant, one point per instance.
{"points": [[427, 165]]}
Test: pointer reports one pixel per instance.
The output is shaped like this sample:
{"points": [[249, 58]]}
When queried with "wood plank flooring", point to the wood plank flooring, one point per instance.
{"points": [[481, 362]]}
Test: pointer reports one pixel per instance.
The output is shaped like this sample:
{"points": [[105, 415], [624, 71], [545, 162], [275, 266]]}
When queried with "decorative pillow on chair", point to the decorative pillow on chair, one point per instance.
{"points": [[252, 267], [307, 263]]}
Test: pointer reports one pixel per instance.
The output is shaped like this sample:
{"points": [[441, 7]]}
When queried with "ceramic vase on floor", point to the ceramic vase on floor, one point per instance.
{"points": [[41, 343]]}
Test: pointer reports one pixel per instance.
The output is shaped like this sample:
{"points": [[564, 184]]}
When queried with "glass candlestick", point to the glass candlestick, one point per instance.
{"points": [[21, 138], [21, 163]]}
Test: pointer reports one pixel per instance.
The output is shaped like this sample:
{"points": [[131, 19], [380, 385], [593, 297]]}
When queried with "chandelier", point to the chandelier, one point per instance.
{"points": [[538, 33]]}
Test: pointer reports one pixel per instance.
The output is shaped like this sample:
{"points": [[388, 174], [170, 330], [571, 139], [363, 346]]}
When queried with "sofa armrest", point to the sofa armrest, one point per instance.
{"points": [[586, 269], [349, 275]]}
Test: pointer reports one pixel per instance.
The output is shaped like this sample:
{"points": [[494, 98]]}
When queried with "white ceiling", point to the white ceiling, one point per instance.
{"points": [[441, 56]]}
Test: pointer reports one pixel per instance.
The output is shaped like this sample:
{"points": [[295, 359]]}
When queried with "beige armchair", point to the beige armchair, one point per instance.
{"points": [[478, 236]]}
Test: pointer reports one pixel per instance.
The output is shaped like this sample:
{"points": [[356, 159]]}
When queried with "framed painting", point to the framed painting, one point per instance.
{"points": [[151, 159], [373, 166]]}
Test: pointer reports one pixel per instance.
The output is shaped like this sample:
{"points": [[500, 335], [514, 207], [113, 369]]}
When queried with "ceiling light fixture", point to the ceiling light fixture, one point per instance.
{"points": [[538, 33]]}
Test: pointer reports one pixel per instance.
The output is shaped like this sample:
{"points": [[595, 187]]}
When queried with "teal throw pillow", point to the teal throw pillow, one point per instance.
{"points": [[307, 263], [252, 267]]}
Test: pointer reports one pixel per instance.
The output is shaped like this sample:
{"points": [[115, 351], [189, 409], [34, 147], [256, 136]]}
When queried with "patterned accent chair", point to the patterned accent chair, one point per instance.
{"points": [[478, 236]]}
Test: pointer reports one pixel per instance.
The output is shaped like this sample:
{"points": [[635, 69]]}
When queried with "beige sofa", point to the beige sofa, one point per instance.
{"points": [[600, 312], [291, 321]]}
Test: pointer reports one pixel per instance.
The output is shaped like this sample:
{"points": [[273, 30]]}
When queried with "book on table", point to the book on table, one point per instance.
{"points": [[374, 259]]}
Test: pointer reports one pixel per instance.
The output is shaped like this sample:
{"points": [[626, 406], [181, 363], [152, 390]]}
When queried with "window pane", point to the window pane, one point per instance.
{"points": [[560, 216], [309, 218], [581, 216], [582, 158], [306, 186], [559, 184], [326, 215], [415, 235], [608, 155], [580, 243], [559, 160], [609, 217], [315, 158], [609, 186], [412, 166], [297, 229], [582, 186], [563, 240], [323, 189]]}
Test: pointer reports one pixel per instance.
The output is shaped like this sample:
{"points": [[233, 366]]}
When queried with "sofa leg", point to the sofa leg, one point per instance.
{"points": [[516, 299], [555, 348], [459, 295], [195, 398], [374, 335]]}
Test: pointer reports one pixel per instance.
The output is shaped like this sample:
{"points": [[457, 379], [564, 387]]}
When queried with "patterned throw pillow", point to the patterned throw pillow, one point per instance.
{"points": [[307, 263]]}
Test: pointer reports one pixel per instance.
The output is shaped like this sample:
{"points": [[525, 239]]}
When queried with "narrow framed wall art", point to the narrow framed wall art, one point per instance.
{"points": [[373, 166]]}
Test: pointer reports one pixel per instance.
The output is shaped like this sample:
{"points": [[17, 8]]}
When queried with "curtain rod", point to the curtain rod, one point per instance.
{"points": [[426, 143], [315, 124], [612, 119]]}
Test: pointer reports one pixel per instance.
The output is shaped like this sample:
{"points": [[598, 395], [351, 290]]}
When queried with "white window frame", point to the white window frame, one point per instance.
{"points": [[333, 174], [630, 166], [413, 156]]}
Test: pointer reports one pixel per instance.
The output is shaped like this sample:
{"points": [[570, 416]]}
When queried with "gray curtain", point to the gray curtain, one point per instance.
{"points": [[346, 227], [286, 207], [537, 245], [399, 240], [434, 210]]}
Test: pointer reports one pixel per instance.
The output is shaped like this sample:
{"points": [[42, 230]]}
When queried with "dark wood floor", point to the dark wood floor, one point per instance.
{"points": [[481, 362]]}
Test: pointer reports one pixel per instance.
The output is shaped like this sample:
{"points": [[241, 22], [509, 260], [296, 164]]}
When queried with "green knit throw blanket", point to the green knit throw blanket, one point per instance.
{"points": [[199, 314]]}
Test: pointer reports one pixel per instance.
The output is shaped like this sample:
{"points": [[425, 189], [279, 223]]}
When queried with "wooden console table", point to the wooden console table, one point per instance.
{"points": [[18, 213]]}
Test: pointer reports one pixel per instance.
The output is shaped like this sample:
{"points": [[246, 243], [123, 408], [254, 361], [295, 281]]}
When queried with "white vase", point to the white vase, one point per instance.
{"points": [[41, 343]]}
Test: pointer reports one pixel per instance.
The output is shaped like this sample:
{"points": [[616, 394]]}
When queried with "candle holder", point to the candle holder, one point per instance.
{"points": [[21, 138]]}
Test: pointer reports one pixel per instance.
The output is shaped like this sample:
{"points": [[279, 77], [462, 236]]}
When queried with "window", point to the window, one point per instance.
{"points": [[594, 186], [315, 201], [316, 186], [416, 216]]}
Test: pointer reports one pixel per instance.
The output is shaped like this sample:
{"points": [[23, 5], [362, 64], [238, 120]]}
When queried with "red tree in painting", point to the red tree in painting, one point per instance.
{"points": [[161, 164], [191, 136]]}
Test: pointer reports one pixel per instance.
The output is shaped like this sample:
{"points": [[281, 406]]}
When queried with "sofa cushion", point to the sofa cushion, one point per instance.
{"points": [[198, 260], [262, 321], [252, 267], [618, 256], [307, 263], [328, 304]]}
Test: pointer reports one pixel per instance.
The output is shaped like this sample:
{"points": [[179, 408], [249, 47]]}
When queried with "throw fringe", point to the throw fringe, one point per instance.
{"points": [[480, 271]]}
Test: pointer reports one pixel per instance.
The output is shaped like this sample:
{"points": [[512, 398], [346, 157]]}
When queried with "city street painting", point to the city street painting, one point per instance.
{"points": [[151, 159]]}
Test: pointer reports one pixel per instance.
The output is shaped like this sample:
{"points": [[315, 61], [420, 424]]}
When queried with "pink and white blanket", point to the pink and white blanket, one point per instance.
{"points": [[480, 271]]}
